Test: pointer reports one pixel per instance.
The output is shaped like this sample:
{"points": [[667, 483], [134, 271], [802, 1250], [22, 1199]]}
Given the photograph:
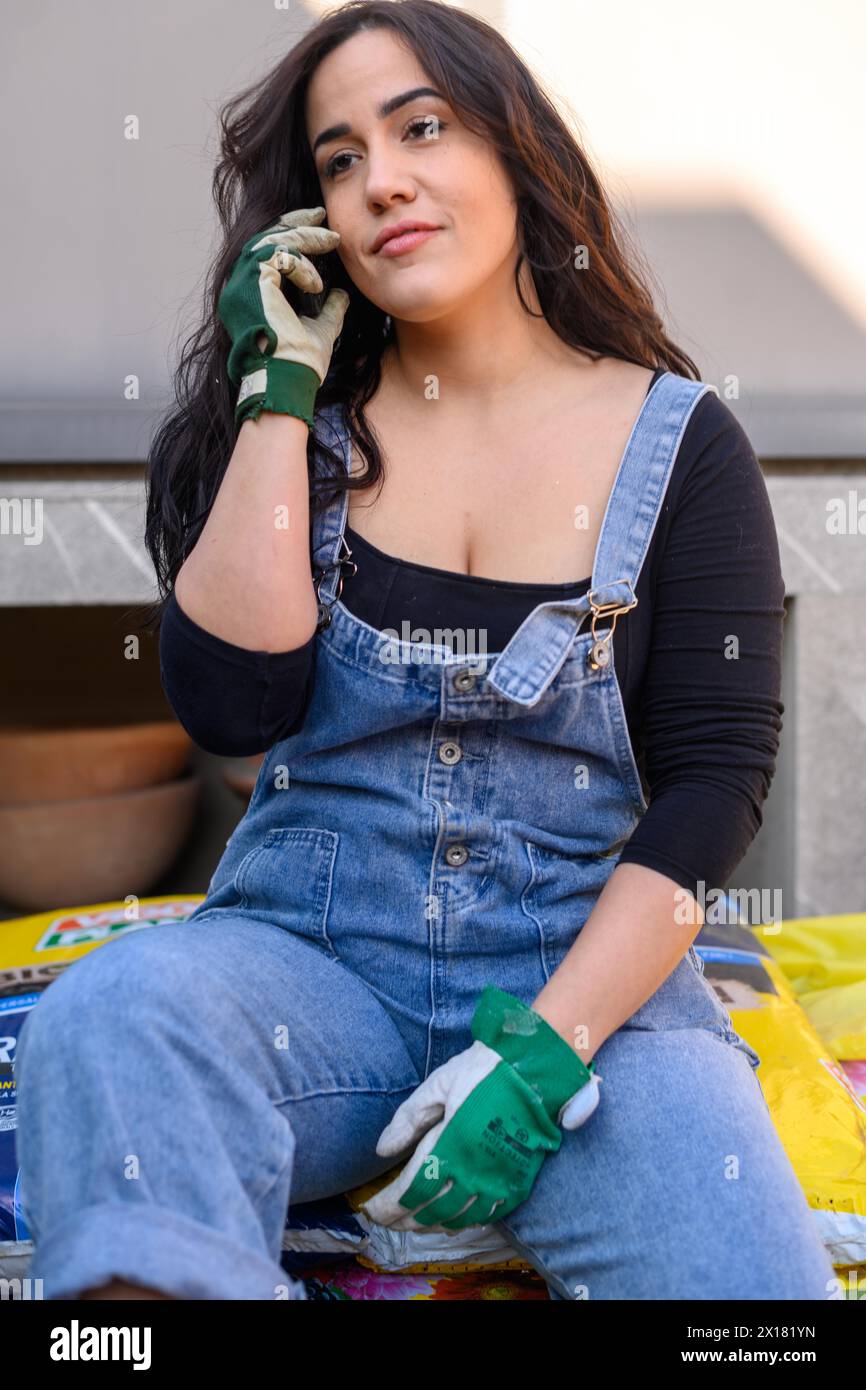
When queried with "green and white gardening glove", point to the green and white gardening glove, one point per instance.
{"points": [[278, 358], [498, 1105]]}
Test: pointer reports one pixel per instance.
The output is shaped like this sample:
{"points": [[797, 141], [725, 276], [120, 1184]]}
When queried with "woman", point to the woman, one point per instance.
{"points": [[448, 936]]}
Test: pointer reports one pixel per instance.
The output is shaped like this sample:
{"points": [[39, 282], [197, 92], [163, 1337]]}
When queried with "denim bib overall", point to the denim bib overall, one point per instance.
{"points": [[439, 823]]}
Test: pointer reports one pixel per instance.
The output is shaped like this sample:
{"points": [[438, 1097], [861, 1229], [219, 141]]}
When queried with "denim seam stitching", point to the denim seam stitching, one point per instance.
{"points": [[350, 1090], [525, 1249], [367, 668]]}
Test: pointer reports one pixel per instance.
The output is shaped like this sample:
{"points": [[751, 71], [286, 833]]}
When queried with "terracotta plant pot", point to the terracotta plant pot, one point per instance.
{"points": [[93, 849], [39, 764]]}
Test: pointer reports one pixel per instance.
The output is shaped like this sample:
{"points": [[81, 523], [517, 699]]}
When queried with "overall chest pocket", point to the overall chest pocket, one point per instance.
{"points": [[287, 879]]}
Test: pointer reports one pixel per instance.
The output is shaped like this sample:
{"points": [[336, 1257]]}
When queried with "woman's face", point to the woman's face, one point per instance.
{"points": [[415, 162]]}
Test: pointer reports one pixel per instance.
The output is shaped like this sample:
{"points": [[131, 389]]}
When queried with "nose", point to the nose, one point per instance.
{"points": [[387, 179]]}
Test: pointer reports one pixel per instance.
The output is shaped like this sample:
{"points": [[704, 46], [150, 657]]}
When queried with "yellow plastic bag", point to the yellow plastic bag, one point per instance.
{"points": [[824, 961], [818, 1114]]}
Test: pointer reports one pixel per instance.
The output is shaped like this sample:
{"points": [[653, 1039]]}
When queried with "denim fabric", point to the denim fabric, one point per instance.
{"points": [[444, 819]]}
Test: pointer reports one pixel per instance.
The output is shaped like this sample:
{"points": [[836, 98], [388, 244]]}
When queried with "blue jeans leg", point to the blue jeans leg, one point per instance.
{"points": [[177, 1087], [677, 1187]]}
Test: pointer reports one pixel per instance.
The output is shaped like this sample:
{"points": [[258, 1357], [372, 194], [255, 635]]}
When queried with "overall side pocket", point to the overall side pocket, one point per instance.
{"points": [[726, 1023], [287, 879], [560, 894]]}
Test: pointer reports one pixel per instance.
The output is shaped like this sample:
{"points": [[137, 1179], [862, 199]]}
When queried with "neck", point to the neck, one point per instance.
{"points": [[485, 350]]}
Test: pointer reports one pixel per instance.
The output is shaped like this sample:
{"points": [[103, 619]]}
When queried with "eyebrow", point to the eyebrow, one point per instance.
{"points": [[334, 132]]}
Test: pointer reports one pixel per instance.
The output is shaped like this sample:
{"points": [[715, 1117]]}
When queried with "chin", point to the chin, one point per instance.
{"points": [[420, 307]]}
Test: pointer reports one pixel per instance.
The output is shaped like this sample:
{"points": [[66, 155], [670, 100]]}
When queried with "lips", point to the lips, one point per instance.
{"points": [[398, 229]]}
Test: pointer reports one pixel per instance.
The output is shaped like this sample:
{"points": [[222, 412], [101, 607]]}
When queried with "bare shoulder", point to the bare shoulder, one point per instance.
{"points": [[624, 380], [607, 393], [602, 378]]}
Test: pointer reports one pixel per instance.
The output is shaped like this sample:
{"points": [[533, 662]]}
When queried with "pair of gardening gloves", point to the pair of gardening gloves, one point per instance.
{"points": [[486, 1120]]}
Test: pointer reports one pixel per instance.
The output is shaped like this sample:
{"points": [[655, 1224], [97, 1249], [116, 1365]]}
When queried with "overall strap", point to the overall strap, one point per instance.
{"points": [[538, 648]]}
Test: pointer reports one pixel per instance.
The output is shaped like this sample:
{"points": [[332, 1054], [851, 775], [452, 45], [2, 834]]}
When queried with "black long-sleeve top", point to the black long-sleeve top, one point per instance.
{"points": [[698, 659]]}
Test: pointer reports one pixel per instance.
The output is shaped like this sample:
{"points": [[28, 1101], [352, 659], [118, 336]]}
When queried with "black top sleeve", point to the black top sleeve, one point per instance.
{"points": [[231, 700], [710, 712]]}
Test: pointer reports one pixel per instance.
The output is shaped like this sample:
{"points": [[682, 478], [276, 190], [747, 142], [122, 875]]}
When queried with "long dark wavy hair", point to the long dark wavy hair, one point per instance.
{"points": [[266, 167]]}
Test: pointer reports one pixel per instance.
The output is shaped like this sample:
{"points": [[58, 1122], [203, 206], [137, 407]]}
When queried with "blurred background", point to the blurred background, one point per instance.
{"points": [[729, 139]]}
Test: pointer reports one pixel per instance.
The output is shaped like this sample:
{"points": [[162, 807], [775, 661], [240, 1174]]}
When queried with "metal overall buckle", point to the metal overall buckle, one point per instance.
{"points": [[318, 577], [599, 655]]}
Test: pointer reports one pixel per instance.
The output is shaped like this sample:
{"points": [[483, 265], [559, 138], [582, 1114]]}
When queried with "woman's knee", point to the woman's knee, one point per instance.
{"points": [[98, 998]]}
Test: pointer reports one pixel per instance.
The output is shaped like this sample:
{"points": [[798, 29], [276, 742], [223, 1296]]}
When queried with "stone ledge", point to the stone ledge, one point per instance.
{"points": [[92, 550]]}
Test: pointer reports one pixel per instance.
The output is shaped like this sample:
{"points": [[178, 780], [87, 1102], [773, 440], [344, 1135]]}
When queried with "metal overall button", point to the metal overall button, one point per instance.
{"points": [[464, 680], [325, 608], [599, 654], [455, 855], [450, 753]]}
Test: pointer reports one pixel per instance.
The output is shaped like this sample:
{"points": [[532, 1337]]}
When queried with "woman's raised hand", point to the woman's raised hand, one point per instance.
{"points": [[279, 358]]}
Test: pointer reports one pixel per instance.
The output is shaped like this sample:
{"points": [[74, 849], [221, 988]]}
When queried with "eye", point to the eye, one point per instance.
{"points": [[330, 168], [419, 123], [423, 123]]}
